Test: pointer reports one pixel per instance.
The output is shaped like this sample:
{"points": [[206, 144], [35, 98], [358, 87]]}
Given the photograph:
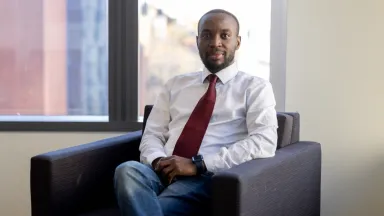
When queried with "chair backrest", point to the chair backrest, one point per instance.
{"points": [[288, 130]]}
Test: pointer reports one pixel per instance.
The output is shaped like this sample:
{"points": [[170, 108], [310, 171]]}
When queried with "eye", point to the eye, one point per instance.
{"points": [[204, 35], [225, 35]]}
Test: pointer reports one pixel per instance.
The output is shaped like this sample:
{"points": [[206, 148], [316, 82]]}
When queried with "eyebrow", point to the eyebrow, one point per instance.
{"points": [[205, 30], [223, 30]]}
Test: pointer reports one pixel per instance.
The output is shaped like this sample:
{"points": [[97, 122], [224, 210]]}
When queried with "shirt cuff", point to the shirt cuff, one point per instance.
{"points": [[153, 156], [211, 162]]}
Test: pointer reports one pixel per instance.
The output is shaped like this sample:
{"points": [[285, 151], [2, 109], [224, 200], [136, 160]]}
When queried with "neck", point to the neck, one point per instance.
{"points": [[216, 70]]}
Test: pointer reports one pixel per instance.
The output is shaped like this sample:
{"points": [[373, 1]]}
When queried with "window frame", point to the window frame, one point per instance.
{"points": [[123, 72]]}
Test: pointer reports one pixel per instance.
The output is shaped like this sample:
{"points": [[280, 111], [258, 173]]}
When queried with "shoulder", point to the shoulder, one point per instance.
{"points": [[187, 76], [258, 91], [251, 82], [182, 79]]}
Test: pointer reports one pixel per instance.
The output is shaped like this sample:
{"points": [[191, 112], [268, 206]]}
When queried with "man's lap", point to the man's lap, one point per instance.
{"points": [[188, 194]]}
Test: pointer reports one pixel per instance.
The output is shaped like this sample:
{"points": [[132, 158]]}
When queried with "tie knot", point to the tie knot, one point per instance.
{"points": [[212, 78]]}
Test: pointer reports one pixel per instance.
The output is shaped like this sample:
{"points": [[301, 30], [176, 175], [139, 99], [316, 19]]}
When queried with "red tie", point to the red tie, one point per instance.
{"points": [[192, 135]]}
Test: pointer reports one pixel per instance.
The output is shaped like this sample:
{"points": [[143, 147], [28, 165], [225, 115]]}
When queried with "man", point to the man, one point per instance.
{"points": [[201, 123]]}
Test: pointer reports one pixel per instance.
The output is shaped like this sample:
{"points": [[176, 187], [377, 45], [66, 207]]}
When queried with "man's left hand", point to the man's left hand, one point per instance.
{"points": [[176, 166]]}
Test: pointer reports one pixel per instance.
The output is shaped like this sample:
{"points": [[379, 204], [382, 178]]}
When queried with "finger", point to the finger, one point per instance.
{"points": [[157, 164], [162, 164], [171, 176], [167, 170], [169, 157]]}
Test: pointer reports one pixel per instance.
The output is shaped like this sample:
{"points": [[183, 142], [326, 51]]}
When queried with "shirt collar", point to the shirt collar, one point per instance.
{"points": [[224, 75]]}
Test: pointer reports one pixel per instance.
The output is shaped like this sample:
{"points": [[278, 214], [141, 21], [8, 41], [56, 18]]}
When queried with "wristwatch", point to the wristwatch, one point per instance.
{"points": [[199, 162]]}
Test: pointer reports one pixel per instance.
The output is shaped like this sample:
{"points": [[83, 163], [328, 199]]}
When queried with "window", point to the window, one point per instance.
{"points": [[92, 65], [53, 59], [167, 40]]}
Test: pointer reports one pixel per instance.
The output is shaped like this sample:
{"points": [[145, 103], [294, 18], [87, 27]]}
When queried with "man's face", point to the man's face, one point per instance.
{"points": [[217, 41]]}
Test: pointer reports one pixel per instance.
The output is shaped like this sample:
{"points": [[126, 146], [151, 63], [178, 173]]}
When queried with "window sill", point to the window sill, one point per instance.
{"points": [[55, 125]]}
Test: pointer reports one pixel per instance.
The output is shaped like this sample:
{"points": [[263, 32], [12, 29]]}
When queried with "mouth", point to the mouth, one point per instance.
{"points": [[216, 56]]}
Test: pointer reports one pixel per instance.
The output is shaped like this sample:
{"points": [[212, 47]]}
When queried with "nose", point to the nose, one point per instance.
{"points": [[215, 42]]}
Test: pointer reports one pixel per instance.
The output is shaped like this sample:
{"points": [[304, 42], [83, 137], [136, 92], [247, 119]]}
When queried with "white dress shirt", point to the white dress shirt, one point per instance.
{"points": [[243, 125]]}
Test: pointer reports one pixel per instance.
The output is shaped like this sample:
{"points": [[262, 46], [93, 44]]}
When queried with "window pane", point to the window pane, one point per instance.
{"points": [[167, 34], [53, 57]]}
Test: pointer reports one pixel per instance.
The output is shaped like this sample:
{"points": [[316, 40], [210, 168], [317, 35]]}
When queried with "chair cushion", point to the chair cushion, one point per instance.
{"points": [[284, 131], [103, 212]]}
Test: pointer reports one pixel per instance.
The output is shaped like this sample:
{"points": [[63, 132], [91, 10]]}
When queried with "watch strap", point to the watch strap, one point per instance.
{"points": [[200, 167], [199, 163]]}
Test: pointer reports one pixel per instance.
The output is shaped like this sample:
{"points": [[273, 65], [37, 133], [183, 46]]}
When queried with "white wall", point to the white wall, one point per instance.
{"points": [[335, 77], [16, 149]]}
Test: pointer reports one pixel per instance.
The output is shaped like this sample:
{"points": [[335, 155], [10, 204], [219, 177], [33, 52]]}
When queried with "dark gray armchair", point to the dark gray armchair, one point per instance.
{"points": [[79, 180]]}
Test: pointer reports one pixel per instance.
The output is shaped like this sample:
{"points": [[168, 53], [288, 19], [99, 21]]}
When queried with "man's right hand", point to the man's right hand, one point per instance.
{"points": [[155, 162]]}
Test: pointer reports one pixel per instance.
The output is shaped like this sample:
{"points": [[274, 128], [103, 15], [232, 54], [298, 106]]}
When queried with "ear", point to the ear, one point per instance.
{"points": [[197, 41], [238, 42]]}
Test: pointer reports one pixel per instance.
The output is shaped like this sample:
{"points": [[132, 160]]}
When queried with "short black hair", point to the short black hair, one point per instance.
{"points": [[224, 12]]}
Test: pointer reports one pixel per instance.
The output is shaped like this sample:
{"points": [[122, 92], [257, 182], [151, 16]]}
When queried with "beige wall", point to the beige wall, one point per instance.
{"points": [[16, 149], [335, 75], [334, 71]]}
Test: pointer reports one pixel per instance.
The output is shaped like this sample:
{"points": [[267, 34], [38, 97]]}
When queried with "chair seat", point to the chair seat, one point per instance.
{"points": [[103, 212]]}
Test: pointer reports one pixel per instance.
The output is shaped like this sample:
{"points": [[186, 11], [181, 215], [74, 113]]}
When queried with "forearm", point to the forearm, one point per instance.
{"points": [[255, 146], [261, 142], [154, 138], [156, 130], [150, 150]]}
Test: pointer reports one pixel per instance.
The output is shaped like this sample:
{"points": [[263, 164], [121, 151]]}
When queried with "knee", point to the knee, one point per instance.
{"points": [[127, 170], [127, 177]]}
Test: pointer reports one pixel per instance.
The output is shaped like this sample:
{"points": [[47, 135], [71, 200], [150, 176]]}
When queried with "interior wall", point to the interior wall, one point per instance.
{"points": [[335, 77], [16, 150]]}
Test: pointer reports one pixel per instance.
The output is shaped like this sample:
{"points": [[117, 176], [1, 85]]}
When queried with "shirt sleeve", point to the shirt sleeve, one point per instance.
{"points": [[156, 130], [261, 141]]}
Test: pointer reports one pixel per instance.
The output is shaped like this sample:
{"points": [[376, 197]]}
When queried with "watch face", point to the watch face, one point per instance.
{"points": [[197, 158]]}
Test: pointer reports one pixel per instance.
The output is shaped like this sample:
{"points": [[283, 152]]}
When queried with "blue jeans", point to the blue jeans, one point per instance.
{"points": [[140, 191]]}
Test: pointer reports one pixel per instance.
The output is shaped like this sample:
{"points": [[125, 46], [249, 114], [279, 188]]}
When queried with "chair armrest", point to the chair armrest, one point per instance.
{"points": [[74, 179], [286, 184]]}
